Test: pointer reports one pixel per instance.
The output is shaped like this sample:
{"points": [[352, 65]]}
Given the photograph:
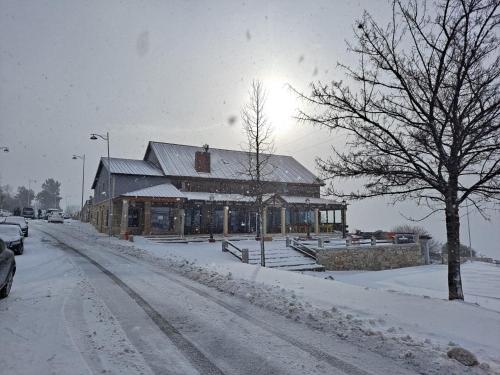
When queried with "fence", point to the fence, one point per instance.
{"points": [[241, 254]]}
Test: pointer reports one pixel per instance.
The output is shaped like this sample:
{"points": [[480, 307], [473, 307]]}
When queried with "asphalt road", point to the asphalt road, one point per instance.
{"points": [[81, 308]]}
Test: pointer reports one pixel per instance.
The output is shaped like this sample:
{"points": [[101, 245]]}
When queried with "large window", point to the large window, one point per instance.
{"points": [[162, 220], [133, 217]]}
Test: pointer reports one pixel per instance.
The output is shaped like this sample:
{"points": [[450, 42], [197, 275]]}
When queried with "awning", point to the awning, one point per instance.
{"points": [[217, 197], [303, 200]]}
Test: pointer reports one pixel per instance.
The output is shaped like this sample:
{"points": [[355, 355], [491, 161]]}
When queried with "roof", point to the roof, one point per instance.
{"points": [[127, 166], [158, 191], [131, 166], [178, 160]]}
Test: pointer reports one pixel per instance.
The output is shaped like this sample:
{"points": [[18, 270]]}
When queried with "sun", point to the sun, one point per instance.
{"points": [[281, 105]]}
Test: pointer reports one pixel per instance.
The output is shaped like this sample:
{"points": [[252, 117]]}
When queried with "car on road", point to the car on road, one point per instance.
{"points": [[13, 237], [55, 217], [19, 220], [28, 213], [48, 212], [7, 269]]}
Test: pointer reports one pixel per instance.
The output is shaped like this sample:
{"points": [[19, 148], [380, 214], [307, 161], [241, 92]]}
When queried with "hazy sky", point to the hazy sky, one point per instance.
{"points": [[173, 72]]}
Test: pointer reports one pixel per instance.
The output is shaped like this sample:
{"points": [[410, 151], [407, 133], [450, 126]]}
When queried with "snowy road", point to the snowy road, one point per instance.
{"points": [[80, 308]]}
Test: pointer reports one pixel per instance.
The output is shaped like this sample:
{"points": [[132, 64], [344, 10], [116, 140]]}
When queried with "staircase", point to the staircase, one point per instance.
{"points": [[285, 259]]}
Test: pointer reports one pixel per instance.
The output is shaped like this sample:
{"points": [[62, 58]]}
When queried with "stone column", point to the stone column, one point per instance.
{"points": [[264, 221], [283, 221], [316, 220], [124, 218], [179, 222], [147, 218], [226, 221]]}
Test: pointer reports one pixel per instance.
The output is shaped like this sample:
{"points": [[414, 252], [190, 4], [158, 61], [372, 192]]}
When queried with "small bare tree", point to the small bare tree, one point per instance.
{"points": [[421, 115], [259, 148]]}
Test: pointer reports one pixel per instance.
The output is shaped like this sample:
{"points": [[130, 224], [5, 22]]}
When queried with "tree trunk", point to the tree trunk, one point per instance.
{"points": [[262, 250], [453, 236]]}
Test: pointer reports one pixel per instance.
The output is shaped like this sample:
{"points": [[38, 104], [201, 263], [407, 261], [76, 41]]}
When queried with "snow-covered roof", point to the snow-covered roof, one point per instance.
{"points": [[303, 200], [131, 166], [178, 160], [218, 197], [158, 191]]}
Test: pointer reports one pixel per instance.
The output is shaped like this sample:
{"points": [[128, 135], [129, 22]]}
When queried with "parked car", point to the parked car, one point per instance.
{"points": [[13, 237], [28, 213], [19, 220], [7, 269], [55, 217]]}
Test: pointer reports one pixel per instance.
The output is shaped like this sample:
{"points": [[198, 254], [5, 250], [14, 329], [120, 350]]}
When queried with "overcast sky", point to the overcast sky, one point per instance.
{"points": [[173, 72]]}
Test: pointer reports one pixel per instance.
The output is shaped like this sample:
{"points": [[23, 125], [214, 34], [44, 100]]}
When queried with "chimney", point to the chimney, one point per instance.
{"points": [[202, 160]]}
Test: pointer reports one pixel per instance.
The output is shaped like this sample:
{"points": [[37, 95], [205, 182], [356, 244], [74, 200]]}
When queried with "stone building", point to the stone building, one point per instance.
{"points": [[186, 190]]}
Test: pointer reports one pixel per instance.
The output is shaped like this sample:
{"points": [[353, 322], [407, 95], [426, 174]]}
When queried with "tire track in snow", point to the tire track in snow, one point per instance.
{"points": [[332, 360], [190, 351]]}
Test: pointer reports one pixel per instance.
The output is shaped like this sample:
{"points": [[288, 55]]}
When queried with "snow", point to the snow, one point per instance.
{"points": [[402, 314], [54, 322], [408, 301]]}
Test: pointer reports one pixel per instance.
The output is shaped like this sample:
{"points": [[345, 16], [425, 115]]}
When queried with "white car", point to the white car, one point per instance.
{"points": [[55, 217], [19, 220]]}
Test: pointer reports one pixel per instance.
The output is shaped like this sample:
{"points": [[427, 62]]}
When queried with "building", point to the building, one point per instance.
{"points": [[185, 190]]}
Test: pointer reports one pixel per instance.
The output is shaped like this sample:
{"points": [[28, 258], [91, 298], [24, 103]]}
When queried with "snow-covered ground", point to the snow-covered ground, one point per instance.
{"points": [[481, 281], [54, 322], [407, 305], [64, 314]]}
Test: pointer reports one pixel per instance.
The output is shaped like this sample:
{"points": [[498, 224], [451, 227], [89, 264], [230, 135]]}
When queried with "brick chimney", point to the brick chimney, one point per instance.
{"points": [[202, 160]]}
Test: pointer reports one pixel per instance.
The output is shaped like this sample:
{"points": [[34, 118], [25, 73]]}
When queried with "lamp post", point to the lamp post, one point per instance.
{"points": [[75, 157], [4, 148], [211, 197], [95, 136], [308, 202]]}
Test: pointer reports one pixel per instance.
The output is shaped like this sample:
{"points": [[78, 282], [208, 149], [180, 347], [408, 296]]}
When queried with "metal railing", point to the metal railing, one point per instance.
{"points": [[302, 248], [241, 254], [335, 243]]}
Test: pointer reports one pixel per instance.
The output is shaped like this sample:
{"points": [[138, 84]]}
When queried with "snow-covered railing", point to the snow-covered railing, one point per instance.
{"points": [[325, 242], [241, 254], [300, 247]]}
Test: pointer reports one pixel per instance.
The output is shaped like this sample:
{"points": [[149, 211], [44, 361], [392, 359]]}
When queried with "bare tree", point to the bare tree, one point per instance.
{"points": [[421, 115], [259, 148]]}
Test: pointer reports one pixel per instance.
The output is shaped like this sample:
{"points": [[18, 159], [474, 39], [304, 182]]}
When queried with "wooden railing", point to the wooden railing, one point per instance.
{"points": [[241, 254]]}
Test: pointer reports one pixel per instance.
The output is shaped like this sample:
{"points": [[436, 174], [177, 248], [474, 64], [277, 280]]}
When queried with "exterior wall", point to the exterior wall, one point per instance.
{"points": [[126, 183], [241, 187], [101, 186], [122, 183], [372, 258]]}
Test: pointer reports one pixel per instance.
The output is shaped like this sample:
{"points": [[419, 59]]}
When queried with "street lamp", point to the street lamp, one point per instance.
{"points": [[308, 202], [4, 148], [75, 157], [211, 197], [95, 136]]}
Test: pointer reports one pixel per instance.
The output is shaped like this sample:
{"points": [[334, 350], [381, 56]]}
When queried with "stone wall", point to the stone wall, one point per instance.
{"points": [[373, 258]]}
